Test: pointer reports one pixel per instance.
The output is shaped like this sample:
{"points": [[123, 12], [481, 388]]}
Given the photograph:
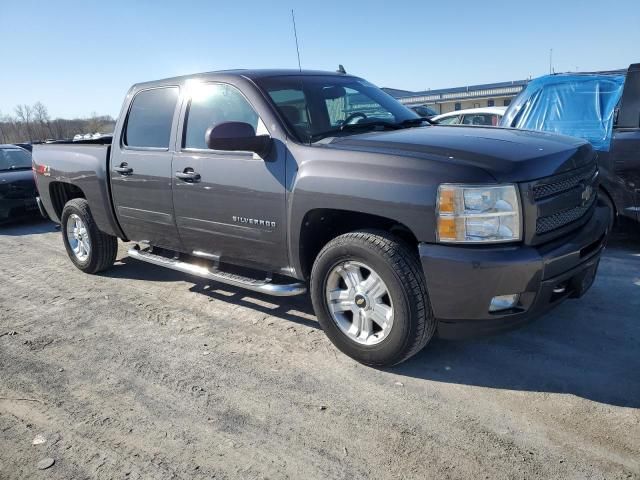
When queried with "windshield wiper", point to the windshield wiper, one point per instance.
{"points": [[414, 122], [18, 167], [375, 123], [352, 127]]}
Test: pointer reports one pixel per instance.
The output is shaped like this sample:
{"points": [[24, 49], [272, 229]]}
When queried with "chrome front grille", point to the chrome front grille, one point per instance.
{"points": [[556, 205], [565, 217], [562, 183]]}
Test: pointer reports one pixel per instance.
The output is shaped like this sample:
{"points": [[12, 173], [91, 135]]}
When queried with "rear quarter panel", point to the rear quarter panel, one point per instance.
{"points": [[86, 167]]}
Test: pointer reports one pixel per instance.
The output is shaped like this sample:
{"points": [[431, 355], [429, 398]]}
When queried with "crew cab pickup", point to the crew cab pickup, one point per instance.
{"points": [[278, 181]]}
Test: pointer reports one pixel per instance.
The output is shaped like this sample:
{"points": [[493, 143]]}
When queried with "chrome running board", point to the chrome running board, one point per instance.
{"points": [[265, 286]]}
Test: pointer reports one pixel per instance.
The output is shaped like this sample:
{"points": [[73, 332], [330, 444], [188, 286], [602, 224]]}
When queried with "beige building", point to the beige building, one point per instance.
{"points": [[450, 99]]}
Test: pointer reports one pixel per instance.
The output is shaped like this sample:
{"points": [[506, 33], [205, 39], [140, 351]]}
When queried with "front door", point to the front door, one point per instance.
{"points": [[233, 206], [141, 172]]}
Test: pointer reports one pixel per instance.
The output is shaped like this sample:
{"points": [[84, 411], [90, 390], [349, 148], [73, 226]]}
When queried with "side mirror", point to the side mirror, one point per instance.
{"points": [[237, 136]]}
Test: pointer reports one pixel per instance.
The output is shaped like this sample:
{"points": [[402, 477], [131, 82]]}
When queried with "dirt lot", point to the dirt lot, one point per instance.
{"points": [[143, 373]]}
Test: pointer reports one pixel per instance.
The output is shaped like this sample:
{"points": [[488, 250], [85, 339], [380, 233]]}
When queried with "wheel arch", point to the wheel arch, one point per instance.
{"points": [[320, 225], [61, 193]]}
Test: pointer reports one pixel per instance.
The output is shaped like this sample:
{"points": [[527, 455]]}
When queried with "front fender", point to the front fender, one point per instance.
{"points": [[397, 188]]}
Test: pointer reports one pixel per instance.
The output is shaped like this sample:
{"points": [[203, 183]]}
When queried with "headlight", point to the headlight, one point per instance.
{"points": [[478, 214]]}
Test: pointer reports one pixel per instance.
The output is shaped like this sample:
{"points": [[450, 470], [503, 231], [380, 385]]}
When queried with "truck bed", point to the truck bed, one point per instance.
{"points": [[82, 165]]}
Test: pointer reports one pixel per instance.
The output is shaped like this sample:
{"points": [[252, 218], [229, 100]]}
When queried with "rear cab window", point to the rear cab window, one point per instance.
{"points": [[150, 118]]}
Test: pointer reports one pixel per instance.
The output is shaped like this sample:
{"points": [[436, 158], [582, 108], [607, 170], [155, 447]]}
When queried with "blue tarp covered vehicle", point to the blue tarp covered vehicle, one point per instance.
{"points": [[576, 105], [601, 107]]}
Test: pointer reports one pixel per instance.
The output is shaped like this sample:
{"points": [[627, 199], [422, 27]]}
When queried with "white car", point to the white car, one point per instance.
{"points": [[487, 117]]}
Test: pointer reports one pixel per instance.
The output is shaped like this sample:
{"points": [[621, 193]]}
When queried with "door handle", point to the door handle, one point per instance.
{"points": [[123, 169], [188, 175]]}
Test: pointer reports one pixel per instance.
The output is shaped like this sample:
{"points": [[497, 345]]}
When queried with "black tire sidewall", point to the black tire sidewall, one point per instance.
{"points": [[391, 349], [70, 209]]}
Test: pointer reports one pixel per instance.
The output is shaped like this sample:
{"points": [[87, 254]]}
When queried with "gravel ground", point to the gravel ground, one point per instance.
{"points": [[143, 373]]}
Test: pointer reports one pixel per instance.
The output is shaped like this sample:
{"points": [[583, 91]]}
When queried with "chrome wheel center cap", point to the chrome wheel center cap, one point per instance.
{"points": [[361, 301]]}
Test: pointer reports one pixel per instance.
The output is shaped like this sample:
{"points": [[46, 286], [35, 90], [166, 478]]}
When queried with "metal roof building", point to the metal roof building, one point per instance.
{"points": [[449, 99]]}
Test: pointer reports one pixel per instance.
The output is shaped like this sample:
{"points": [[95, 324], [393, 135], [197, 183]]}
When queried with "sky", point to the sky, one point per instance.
{"points": [[80, 57]]}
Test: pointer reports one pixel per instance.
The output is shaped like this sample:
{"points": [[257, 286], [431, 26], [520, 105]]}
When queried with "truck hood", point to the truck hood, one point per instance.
{"points": [[17, 184], [508, 155]]}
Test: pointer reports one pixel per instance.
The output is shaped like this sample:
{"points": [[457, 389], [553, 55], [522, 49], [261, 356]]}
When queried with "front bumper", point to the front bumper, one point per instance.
{"points": [[462, 280]]}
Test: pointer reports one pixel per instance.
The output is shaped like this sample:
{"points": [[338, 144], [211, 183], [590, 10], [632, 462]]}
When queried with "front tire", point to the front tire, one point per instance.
{"points": [[90, 249], [369, 294]]}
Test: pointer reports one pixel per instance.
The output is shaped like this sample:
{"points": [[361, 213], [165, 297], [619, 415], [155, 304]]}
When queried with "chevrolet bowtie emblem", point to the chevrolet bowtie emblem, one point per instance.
{"points": [[586, 194]]}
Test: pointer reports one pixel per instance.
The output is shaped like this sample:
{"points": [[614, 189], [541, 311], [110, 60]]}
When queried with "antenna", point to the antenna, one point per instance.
{"points": [[550, 61], [295, 34]]}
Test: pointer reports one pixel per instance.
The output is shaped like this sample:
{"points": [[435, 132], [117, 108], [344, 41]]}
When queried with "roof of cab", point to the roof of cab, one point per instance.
{"points": [[250, 74]]}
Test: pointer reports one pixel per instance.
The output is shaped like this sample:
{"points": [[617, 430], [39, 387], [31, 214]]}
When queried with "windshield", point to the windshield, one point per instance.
{"points": [[319, 106], [14, 159]]}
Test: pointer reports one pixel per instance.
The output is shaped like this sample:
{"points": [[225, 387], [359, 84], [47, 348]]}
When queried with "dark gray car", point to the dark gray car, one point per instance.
{"points": [[17, 186], [278, 180]]}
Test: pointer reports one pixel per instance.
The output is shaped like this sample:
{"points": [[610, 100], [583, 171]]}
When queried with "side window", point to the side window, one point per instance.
{"points": [[455, 120], [342, 102], [478, 119], [150, 118], [292, 104], [212, 104], [337, 110]]}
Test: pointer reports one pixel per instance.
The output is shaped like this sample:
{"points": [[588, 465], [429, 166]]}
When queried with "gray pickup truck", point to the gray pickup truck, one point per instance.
{"points": [[276, 181]]}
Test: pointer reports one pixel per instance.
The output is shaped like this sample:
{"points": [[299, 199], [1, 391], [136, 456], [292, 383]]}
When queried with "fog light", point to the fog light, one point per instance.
{"points": [[503, 302]]}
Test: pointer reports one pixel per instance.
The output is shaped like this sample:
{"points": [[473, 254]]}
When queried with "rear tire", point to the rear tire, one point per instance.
{"points": [[369, 294], [90, 249]]}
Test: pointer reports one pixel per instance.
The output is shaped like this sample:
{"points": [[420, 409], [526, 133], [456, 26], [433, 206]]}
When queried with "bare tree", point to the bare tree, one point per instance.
{"points": [[3, 133], [94, 123], [24, 114], [33, 123], [41, 117]]}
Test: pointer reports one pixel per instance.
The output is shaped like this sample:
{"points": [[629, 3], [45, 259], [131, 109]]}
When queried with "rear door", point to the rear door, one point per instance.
{"points": [[141, 172], [235, 210]]}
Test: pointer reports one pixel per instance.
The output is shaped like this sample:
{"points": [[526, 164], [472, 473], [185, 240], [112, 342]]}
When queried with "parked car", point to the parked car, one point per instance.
{"points": [[274, 180], [17, 186], [602, 107], [485, 117], [26, 146], [424, 111]]}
